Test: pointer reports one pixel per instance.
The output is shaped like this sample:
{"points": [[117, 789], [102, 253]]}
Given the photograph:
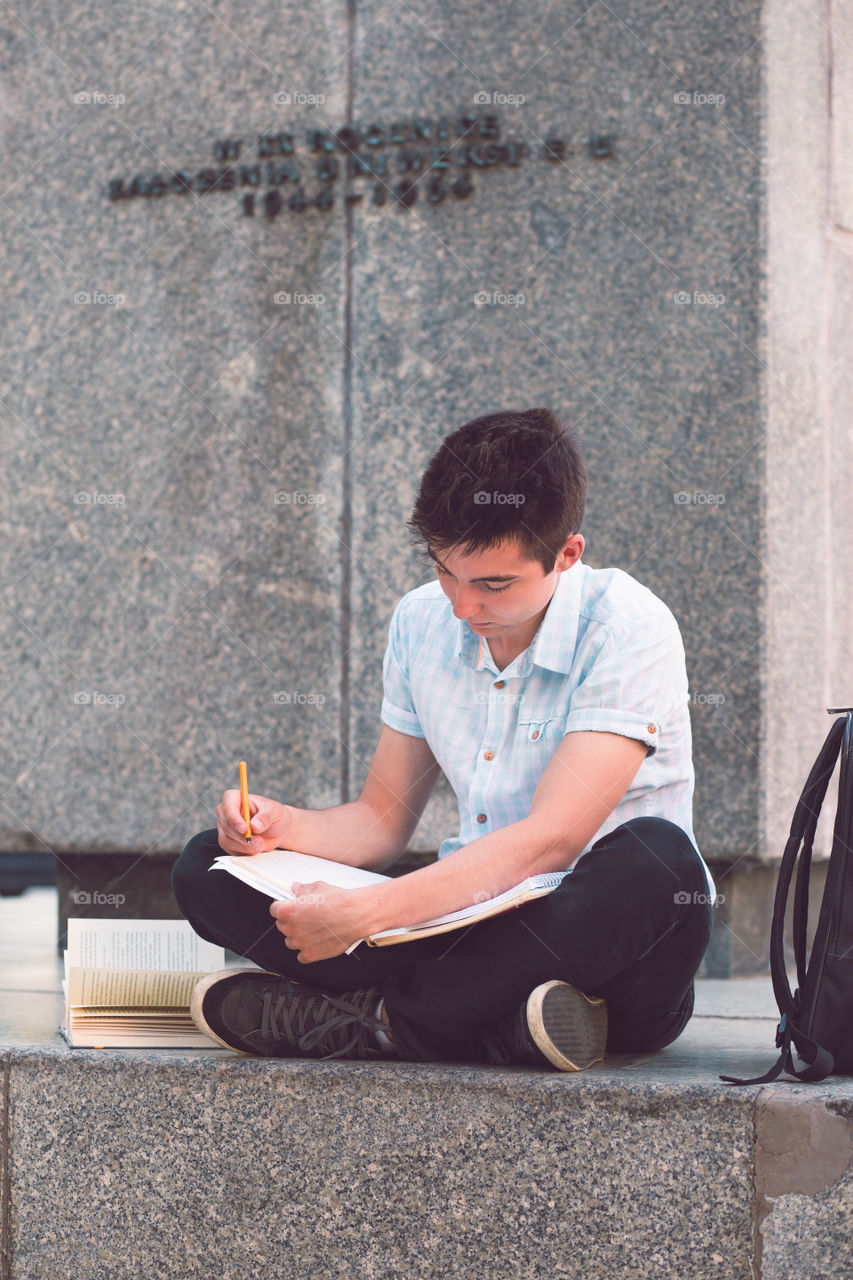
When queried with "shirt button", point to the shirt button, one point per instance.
{"points": [[499, 684], [535, 734], [651, 728], [481, 817], [488, 755]]}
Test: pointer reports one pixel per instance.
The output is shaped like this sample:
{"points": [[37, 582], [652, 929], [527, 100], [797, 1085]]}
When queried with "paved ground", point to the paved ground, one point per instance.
{"points": [[732, 1031]]}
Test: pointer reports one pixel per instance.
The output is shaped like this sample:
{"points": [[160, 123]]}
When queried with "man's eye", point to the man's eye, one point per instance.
{"points": [[494, 590]]}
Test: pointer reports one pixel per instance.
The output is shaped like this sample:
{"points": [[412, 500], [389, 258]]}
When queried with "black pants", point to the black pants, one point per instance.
{"points": [[630, 924]]}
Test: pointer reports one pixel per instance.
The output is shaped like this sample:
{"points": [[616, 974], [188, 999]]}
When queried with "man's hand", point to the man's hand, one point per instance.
{"points": [[324, 920], [270, 824]]}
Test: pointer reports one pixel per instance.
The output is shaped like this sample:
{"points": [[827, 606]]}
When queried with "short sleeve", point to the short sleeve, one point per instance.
{"points": [[398, 710], [635, 677]]}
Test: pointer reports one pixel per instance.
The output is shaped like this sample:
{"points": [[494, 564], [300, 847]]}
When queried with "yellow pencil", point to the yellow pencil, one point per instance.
{"points": [[244, 792]]}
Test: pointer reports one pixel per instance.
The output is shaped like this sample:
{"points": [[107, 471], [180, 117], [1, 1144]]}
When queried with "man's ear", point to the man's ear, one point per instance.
{"points": [[571, 552]]}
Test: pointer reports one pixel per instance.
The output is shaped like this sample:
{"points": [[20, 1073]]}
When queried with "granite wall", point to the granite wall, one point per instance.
{"points": [[235, 334]]}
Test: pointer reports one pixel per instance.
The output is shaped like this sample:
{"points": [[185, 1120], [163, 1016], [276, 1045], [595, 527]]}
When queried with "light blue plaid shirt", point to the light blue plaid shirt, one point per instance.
{"points": [[608, 655]]}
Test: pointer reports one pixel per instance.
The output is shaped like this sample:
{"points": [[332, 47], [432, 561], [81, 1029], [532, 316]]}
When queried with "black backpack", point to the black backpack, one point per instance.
{"points": [[818, 1018]]}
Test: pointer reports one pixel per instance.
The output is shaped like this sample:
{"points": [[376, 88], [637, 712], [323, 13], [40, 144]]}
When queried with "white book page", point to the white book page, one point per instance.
{"points": [[533, 884], [141, 944], [274, 872], [138, 1037]]}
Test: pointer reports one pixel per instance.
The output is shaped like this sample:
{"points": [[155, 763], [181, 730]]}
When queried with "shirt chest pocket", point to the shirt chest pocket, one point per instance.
{"points": [[539, 731]]}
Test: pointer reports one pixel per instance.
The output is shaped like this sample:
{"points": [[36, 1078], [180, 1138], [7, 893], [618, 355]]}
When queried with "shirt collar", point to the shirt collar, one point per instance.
{"points": [[553, 646]]}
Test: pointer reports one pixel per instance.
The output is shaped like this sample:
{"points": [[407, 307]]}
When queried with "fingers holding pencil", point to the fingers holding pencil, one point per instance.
{"points": [[231, 823], [248, 823]]}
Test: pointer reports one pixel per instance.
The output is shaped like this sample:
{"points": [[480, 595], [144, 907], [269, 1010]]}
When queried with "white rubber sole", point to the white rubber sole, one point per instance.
{"points": [[569, 1028], [197, 1001]]}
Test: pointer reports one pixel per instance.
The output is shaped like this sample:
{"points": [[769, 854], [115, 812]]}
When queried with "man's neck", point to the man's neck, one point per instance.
{"points": [[505, 651], [502, 658]]}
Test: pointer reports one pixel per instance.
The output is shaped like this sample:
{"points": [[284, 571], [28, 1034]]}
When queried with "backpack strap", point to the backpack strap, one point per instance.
{"points": [[819, 1067], [803, 826], [799, 922]]}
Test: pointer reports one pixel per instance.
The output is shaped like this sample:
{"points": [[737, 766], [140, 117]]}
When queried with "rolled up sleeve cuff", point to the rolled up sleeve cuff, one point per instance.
{"points": [[402, 721], [610, 720]]}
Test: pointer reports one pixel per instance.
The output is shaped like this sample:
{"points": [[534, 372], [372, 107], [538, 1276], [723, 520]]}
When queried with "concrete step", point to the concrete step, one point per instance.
{"points": [[176, 1164]]}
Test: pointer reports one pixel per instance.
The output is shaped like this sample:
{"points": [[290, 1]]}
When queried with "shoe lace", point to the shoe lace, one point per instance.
{"points": [[310, 1021]]}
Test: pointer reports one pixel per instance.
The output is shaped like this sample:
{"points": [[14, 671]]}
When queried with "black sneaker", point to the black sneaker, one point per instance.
{"points": [[556, 1025], [262, 1013]]}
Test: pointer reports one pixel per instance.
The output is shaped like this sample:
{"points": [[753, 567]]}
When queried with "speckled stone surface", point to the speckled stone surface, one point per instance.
{"points": [[810, 1235], [147, 631], [253, 1168], [673, 307], [129, 1164], [665, 393], [141, 1165], [804, 1185]]}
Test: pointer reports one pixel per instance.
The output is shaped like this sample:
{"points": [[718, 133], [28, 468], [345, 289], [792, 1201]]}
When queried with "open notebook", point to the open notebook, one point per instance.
{"points": [[273, 873]]}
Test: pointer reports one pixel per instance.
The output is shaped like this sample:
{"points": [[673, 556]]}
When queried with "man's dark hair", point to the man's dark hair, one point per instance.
{"points": [[507, 475]]}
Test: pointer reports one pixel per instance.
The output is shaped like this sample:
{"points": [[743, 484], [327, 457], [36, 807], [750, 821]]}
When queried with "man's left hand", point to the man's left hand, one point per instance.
{"points": [[322, 922]]}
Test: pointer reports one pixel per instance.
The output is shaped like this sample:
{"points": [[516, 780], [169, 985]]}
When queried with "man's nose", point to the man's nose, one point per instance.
{"points": [[465, 604]]}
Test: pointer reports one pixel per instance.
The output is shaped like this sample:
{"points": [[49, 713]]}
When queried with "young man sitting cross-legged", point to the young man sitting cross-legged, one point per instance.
{"points": [[554, 697]]}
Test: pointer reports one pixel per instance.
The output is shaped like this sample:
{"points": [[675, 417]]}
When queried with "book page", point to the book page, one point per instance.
{"points": [[128, 1034], [129, 987], [274, 872], [140, 944], [532, 887]]}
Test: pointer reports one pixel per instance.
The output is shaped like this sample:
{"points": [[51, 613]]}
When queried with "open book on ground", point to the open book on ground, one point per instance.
{"points": [[275, 871], [128, 984]]}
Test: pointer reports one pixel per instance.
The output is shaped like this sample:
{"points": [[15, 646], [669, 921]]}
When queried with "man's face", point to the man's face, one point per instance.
{"points": [[498, 592]]}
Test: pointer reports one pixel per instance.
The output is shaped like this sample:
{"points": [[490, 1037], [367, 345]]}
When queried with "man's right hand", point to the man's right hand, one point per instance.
{"points": [[270, 823]]}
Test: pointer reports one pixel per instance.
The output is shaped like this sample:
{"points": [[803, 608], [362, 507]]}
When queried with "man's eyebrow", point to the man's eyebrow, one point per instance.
{"points": [[490, 577]]}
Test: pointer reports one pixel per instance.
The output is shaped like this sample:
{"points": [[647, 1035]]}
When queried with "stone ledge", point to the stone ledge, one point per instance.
{"points": [[179, 1165], [131, 1164], [127, 1164]]}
